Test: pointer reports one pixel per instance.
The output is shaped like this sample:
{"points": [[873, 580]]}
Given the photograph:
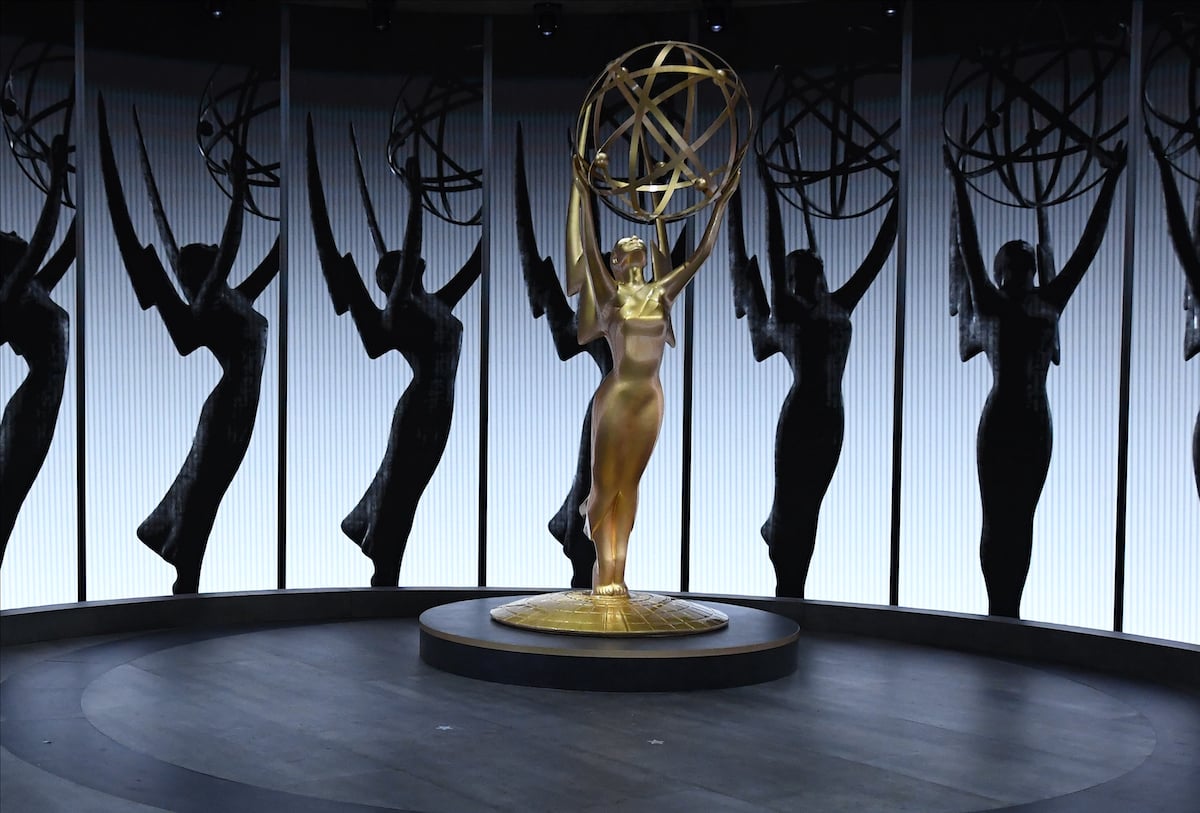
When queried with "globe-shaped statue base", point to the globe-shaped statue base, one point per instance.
{"points": [[578, 612]]}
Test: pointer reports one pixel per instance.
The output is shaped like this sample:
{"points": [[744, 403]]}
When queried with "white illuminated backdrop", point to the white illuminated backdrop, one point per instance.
{"points": [[143, 400]]}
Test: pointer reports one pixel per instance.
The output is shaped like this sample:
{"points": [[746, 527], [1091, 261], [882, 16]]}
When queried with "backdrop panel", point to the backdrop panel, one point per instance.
{"points": [[143, 400], [341, 403], [1162, 564], [1070, 577], [829, 56], [39, 561]]}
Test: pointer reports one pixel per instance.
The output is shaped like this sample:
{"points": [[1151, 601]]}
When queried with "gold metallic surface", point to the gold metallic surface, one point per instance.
{"points": [[631, 312], [667, 125], [579, 612]]}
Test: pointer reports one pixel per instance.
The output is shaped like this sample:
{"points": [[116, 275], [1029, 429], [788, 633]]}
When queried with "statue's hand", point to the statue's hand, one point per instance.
{"points": [[948, 160], [1156, 145], [58, 153], [579, 168], [1116, 157]]}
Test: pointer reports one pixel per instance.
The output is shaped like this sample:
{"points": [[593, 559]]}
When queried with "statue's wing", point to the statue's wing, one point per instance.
{"points": [[150, 281], [341, 272]]}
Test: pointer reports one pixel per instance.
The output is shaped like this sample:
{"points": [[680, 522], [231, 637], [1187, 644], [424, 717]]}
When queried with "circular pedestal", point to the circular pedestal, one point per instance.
{"points": [[462, 638], [578, 612]]}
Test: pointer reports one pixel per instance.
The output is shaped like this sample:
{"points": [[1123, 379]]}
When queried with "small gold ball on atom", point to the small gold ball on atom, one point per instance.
{"points": [[601, 160], [701, 184]]}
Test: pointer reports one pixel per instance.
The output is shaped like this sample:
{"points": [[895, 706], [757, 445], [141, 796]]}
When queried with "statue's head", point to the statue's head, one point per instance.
{"points": [[12, 249], [389, 267], [628, 260], [805, 274], [1014, 267], [195, 262]]}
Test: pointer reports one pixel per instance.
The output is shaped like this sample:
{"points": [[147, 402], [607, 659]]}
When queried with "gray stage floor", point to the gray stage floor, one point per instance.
{"points": [[345, 717]]}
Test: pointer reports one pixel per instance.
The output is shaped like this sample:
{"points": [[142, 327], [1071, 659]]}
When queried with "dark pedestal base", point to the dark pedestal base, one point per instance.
{"points": [[462, 638]]}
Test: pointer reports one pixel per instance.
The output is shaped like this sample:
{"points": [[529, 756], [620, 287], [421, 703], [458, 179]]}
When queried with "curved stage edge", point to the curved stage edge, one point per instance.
{"points": [[1163, 661]]}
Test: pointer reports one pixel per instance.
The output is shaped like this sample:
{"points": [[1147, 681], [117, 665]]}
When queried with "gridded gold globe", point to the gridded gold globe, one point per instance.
{"points": [[663, 131]]}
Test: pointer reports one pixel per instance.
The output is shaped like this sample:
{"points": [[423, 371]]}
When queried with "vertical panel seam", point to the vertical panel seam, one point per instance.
{"points": [[485, 297], [1133, 149], [906, 161], [285, 89]]}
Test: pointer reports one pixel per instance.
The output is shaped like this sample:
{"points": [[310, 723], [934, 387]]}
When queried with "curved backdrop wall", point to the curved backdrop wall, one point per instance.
{"points": [[331, 409]]}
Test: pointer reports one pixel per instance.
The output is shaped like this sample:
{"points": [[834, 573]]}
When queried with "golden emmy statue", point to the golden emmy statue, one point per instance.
{"points": [[661, 137]]}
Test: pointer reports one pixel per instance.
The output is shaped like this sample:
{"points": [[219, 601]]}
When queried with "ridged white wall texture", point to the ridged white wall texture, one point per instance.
{"points": [[340, 402], [143, 400], [40, 560], [1162, 555]]}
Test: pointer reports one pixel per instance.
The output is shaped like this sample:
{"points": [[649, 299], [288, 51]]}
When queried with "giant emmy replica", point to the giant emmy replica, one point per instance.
{"points": [[660, 139]]}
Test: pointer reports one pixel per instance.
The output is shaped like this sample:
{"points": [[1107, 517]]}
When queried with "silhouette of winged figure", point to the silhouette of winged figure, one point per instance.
{"points": [[38, 330], [1015, 323], [418, 324], [213, 315], [810, 326]]}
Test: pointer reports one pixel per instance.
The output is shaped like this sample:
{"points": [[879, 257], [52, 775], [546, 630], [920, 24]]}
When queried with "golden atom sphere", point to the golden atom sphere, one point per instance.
{"points": [[663, 131]]}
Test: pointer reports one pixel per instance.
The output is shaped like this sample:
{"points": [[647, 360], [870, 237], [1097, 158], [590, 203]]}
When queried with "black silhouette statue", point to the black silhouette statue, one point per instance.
{"points": [[811, 327], [38, 330], [1015, 323], [214, 315], [546, 296], [1187, 246], [422, 327]]}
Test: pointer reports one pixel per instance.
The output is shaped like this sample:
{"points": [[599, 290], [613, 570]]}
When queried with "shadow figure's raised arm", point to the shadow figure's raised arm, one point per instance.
{"points": [[258, 279], [961, 304], [854, 288], [458, 285], [1059, 291], [231, 237], [749, 297], [43, 233], [1047, 269], [412, 266], [776, 246], [59, 262], [1185, 240], [345, 284], [984, 295], [151, 284]]}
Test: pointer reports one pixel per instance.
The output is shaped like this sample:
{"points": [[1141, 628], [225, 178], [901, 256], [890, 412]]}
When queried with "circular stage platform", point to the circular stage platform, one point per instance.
{"points": [[462, 638]]}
